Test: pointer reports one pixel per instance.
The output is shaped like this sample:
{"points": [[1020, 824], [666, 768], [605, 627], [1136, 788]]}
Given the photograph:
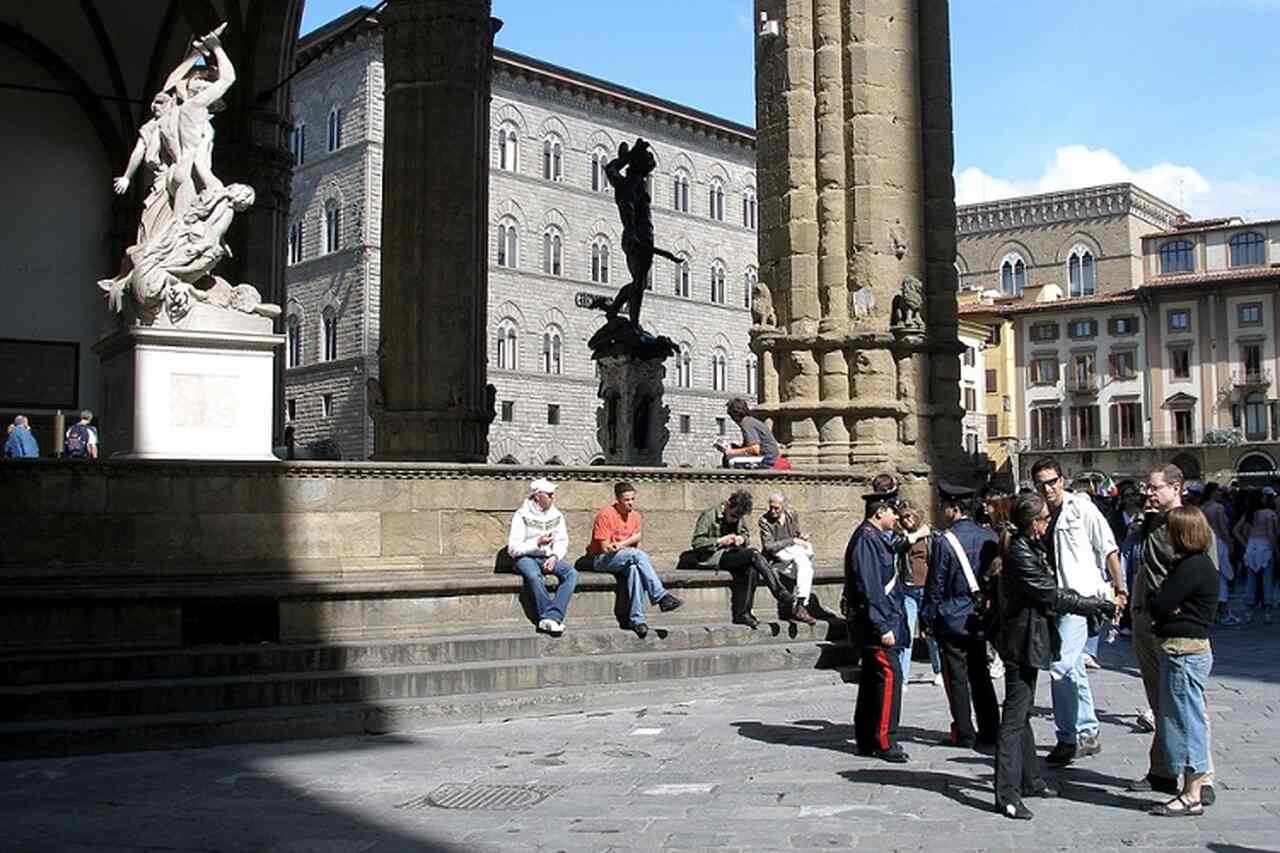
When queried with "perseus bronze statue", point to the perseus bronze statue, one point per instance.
{"points": [[627, 173]]}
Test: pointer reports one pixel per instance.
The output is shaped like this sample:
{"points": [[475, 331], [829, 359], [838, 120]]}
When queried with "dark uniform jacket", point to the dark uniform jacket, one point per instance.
{"points": [[1030, 601], [950, 609], [869, 566]]}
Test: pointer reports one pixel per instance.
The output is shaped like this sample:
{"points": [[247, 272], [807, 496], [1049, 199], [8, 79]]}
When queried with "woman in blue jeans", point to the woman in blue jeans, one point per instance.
{"points": [[1182, 612]]}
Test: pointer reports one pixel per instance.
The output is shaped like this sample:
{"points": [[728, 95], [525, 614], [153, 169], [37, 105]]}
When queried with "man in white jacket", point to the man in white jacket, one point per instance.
{"points": [[538, 543]]}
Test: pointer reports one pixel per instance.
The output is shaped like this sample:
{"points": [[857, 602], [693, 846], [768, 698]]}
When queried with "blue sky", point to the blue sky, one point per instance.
{"points": [[1175, 95]]}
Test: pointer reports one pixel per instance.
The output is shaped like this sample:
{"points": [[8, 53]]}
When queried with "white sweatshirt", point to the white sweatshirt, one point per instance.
{"points": [[529, 523]]}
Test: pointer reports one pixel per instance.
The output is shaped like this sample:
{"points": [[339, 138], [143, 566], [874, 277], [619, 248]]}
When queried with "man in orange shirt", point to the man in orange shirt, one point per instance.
{"points": [[614, 548]]}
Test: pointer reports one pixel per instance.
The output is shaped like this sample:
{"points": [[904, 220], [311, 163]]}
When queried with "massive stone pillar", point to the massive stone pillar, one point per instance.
{"points": [[857, 233], [433, 402]]}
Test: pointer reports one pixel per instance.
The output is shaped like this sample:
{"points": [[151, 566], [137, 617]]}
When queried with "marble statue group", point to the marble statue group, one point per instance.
{"points": [[187, 209]]}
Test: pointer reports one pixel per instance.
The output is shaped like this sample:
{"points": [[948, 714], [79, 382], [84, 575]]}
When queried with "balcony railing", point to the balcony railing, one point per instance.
{"points": [[1083, 384], [1251, 378], [1171, 438]]}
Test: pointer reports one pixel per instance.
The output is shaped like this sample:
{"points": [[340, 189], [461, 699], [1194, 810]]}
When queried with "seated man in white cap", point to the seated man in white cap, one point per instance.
{"points": [[538, 542]]}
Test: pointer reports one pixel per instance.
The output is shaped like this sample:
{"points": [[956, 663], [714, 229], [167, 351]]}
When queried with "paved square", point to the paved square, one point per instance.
{"points": [[759, 763]]}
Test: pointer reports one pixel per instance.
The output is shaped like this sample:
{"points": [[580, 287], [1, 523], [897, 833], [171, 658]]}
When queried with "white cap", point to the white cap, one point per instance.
{"points": [[542, 484]]}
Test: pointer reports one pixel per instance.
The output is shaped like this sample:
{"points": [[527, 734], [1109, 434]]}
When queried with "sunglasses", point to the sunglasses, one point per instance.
{"points": [[1045, 485]]}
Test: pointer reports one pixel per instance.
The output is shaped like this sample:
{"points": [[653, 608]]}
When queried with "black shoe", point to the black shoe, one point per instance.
{"points": [[641, 629], [1207, 795], [1089, 745], [748, 620], [894, 756], [1016, 811], [1044, 792], [960, 742], [668, 603], [1061, 755], [1149, 782], [986, 747]]}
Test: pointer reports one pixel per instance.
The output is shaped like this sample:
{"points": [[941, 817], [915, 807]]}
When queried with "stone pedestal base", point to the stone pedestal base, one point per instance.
{"points": [[632, 418], [181, 394], [456, 434]]}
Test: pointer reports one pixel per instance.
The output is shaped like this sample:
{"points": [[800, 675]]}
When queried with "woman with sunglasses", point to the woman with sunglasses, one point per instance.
{"points": [[1028, 641]]}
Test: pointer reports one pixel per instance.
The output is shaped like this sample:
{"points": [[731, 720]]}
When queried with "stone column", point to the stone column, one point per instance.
{"points": [[855, 155], [435, 403]]}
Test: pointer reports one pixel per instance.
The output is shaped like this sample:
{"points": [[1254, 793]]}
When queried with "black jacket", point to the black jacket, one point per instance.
{"points": [[1029, 597]]}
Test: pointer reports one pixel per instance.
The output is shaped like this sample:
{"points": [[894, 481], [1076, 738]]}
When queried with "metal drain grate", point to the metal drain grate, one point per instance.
{"points": [[490, 798]]}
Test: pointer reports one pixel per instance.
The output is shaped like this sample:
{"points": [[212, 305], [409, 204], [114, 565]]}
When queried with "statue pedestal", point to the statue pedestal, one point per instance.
{"points": [[632, 418], [176, 393]]}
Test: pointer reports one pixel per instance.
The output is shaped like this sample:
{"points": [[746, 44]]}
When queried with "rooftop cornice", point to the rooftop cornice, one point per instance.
{"points": [[1066, 206]]}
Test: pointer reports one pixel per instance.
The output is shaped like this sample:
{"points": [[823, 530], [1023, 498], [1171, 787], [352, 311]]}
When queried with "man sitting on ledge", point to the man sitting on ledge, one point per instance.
{"points": [[722, 540], [537, 543], [615, 548]]}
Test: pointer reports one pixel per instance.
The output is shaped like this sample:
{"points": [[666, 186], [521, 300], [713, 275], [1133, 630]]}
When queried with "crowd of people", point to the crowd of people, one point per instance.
{"points": [[1002, 587]]}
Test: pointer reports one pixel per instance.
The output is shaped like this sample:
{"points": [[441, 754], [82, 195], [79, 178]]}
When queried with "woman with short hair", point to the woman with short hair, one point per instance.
{"points": [[1182, 612]]}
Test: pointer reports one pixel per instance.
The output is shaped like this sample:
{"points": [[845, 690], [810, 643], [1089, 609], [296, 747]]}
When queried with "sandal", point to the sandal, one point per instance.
{"points": [[1188, 809]]}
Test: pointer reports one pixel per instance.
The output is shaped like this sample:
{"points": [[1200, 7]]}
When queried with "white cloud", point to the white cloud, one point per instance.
{"points": [[1077, 166]]}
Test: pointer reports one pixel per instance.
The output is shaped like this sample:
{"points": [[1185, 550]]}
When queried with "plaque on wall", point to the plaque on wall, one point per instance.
{"points": [[39, 374]]}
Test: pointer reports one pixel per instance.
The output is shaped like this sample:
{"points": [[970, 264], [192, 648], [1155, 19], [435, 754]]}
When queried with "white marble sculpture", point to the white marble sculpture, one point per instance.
{"points": [[187, 210]]}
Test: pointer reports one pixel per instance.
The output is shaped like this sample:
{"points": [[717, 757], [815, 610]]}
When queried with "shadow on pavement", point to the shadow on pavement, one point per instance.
{"points": [[958, 788]]}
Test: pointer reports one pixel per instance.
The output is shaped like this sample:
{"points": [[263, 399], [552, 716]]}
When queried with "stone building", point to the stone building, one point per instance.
{"points": [[554, 233]]}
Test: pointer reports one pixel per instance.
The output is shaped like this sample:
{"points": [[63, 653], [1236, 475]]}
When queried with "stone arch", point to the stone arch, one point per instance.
{"points": [[508, 209], [682, 246], [962, 265], [554, 124], [1189, 464], [555, 217], [510, 310], [1011, 247], [681, 160], [717, 170], [295, 308], [510, 114], [687, 335], [601, 228], [505, 450], [747, 182], [601, 138], [1078, 238], [331, 191], [554, 317], [1255, 461]]}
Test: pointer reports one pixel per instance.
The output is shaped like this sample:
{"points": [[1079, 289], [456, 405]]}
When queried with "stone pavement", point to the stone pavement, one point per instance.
{"points": [[758, 763]]}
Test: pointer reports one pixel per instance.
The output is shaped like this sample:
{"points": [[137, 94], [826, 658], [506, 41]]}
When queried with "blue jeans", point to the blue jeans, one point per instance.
{"points": [[1092, 644], [642, 580], [1182, 725], [914, 596], [547, 607], [1073, 710]]}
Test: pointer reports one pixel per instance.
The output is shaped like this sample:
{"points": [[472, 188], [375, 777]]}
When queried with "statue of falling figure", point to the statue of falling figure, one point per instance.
{"points": [[627, 174]]}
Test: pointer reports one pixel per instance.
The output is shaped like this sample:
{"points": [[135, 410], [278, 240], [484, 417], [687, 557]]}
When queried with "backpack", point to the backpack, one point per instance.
{"points": [[77, 444]]}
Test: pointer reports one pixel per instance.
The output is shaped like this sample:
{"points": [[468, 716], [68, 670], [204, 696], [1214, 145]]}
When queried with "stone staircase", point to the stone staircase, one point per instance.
{"points": [[93, 700]]}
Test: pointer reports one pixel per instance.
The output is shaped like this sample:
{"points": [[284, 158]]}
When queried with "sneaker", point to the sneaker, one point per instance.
{"points": [[1146, 720], [1016, 811], [1061, 755], [555, 628], [799, 614], [668, 603], [1153, 783], [544, 625], [1229, 619], [1089, 745], [641, 629], [937, 679], [1090, 662]]}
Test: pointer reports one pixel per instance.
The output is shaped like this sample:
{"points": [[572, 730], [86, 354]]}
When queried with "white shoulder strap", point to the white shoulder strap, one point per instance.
{"points": [[964, 560]]}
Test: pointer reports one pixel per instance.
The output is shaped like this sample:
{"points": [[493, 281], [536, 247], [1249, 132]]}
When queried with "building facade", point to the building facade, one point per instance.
{"points": [[555, 233]]}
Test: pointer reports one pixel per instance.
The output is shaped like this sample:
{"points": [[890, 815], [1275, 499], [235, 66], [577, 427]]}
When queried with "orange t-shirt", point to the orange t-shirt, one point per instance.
{"points": [[609, 527]]}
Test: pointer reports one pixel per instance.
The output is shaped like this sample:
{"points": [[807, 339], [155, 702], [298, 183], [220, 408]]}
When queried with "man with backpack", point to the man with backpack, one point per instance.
{"points": [[81, 441]]}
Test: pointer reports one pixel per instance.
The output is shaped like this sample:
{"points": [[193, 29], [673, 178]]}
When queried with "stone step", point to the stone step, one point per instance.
{"points": [[409, 680], [594, 637], [400, 700]]}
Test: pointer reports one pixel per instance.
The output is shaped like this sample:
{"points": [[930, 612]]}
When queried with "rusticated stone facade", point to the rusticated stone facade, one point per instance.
{"points": [[853, 114]]}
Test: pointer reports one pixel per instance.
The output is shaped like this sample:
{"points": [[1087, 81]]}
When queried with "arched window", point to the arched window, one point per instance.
{"points": [[552, 158], [508, 345], [293, 342], [552, 251], [1248, 250], [682, 277], [295, 242], [335, 129], [715, 200], [753, 367], [1080, 270], [749, 208], [329, 334], [684, 367], [298, 143], [1177, 256], [680, 191], [599, 159], [749, 287], [508, 244], [1013, 275], [508, 149], [600, 260], [551, 351], [717, 283], [332, 227], [719, 370]]}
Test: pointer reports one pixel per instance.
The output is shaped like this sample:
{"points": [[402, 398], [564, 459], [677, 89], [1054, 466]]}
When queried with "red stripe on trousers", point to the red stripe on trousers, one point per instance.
{"points": [[886, 704]]}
